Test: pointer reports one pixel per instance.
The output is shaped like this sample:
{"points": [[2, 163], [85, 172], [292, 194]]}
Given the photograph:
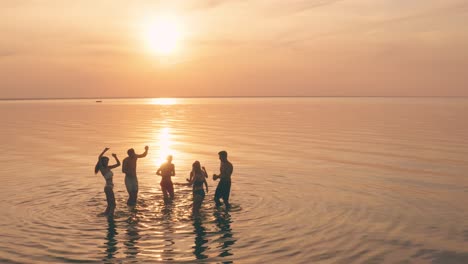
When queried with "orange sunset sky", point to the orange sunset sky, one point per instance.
{"points": [[119, 48]]}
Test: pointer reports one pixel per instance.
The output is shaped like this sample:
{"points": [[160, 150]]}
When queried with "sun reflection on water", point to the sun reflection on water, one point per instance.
{"points": [[164, 142], [163, 101]]}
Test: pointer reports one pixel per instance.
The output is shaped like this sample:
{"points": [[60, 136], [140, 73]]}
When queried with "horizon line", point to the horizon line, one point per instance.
{"points": [[237, 96]]}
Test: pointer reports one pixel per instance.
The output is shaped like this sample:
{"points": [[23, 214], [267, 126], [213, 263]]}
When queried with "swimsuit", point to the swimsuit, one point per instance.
{"points": [[108, 188], [199, 184], [108, 176]]}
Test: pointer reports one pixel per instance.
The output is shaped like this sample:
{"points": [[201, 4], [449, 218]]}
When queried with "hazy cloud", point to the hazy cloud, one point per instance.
{"points": [[8, 53], [202, 4], [288, 7]]}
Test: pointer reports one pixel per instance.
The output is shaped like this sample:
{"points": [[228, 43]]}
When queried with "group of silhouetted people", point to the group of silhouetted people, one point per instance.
{"points": [[197, 179]]}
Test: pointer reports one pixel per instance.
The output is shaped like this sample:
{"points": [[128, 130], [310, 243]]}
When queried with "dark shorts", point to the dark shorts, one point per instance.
{"points": [[223, 190], [167, 186]]}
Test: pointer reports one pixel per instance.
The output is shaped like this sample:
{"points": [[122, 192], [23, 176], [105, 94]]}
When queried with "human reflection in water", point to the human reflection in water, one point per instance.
{"points": [[200, 240], [167, 222], [223, 222], [111, 242], [133, 236]]}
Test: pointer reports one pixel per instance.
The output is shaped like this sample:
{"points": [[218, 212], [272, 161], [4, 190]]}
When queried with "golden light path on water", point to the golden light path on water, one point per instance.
{"points": [[164, 142], [163, 101], [163, 138]]}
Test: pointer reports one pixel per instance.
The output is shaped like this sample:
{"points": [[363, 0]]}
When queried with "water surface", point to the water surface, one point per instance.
{"points": [[316, 180]]}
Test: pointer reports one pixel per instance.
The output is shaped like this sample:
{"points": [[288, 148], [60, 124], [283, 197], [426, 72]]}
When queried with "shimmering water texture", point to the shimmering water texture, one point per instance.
{"points": [[316, 180]]}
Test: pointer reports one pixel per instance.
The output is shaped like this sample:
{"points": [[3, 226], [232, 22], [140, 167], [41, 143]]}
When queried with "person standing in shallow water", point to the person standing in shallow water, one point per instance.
{"points": [[223, 189], [198, 177], [131, 180], [166, 171], [102, 166]]}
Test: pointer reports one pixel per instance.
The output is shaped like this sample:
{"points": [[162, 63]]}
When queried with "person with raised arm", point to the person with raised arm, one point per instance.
{"points": [[102, 166], [131, 180]]}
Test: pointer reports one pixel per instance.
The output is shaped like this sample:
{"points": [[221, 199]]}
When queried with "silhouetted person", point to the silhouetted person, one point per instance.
{"points": [[197, 179], [166, 171], [102, 166], [131, 180], [224, 186]]}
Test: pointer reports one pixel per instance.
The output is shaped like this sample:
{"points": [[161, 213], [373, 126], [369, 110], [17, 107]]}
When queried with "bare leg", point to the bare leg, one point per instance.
{"points": [[135, 195], [110, 200], [225, 194], [171, 190], [111, 210], [131, 183], [132, 200], [128, 185], [226, 199], [218, 195], [164, 191]]}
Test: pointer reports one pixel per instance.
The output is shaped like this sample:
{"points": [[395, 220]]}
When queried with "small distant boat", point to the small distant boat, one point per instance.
{"points": [[98, 101]]}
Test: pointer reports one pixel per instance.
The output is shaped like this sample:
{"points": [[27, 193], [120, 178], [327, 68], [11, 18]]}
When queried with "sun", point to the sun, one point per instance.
{"points": [[163, 35]]}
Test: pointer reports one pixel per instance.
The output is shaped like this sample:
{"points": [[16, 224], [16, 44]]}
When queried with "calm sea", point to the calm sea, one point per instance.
{"points": [[316, 180]]}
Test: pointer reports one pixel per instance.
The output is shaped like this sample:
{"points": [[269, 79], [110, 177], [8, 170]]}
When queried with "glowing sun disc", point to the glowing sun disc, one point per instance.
{"points": [[163, 35]]}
